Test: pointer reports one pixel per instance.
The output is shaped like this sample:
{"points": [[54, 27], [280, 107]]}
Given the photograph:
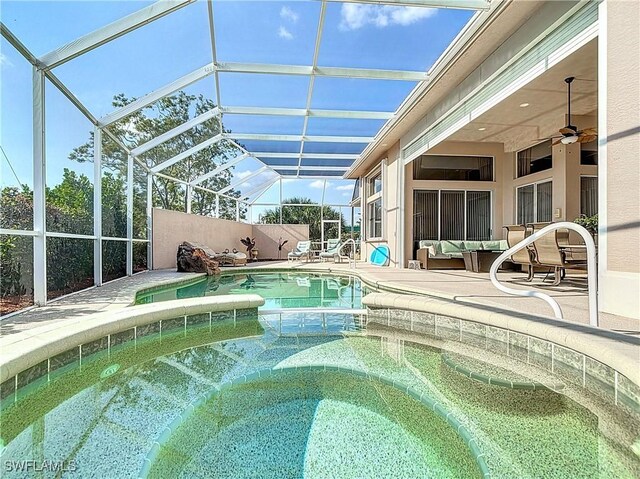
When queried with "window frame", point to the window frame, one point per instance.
{"points": [[515, 168], [535, 198], [372, 197], [493, 168]]}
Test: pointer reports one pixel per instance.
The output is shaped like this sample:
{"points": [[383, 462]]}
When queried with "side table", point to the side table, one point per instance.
{"points": [[413, 264]]}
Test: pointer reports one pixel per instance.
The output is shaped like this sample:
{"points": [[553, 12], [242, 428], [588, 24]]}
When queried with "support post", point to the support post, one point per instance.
{"points": [[129, 215], [149, 220], [238, 210], [39, 185], [189, 198], [217, 206], [280, 200], [97, 206]]}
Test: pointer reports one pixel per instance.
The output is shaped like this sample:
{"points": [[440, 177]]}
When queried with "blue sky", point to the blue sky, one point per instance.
{"points": [[365, 36]]}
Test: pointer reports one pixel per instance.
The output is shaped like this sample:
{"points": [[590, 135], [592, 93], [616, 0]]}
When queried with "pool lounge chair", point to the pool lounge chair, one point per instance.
{"points": [[302, 250], [233, 258], [332, 251], [208, 251]]}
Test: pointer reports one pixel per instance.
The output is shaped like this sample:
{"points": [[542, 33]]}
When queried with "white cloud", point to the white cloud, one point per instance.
{"points": [[4, 60], [318, 184], [243, 174], [346, 194], [345, 188], [355, 16], [288, 14], [284, 33]]}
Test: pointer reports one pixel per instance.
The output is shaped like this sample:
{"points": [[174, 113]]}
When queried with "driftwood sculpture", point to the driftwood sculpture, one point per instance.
{"points": [[191, 259]]}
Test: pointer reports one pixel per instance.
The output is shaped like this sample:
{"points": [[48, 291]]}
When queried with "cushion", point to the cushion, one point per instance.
{"points": [[449, 246], [455, 255], [496, 245], [426, 243], [473, 245]]}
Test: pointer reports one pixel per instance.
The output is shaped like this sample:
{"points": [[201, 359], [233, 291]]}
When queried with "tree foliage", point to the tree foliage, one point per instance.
{"points": [[309, 214]]}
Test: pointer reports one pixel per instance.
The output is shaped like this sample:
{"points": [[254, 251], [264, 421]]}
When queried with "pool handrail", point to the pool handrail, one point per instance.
{"points": [[592, 274]]}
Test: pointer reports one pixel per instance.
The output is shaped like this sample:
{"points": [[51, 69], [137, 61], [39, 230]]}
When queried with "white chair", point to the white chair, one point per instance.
{"points": [[332, 251], [302, 250]]}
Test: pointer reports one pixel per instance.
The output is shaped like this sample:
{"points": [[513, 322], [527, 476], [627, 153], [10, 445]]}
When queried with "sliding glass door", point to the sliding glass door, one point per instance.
{"points": [[451, 215]]}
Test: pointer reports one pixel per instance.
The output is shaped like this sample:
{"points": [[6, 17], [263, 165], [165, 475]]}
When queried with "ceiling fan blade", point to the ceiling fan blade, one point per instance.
{"points": [[587, 138], [589, 131], [567, 131], [556, 142]]}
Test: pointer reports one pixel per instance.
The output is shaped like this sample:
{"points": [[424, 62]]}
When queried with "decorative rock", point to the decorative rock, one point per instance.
{"points": [[191, 259]]}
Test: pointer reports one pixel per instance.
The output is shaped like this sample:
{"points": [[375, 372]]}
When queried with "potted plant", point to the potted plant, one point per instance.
{"points": [[590, 223]]}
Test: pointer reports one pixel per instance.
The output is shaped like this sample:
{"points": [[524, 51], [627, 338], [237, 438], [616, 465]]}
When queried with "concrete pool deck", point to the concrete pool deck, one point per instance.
{"points": [[461, 287]]}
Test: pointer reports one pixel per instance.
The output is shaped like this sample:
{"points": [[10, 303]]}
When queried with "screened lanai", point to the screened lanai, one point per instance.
{"points": [[229, 109]]}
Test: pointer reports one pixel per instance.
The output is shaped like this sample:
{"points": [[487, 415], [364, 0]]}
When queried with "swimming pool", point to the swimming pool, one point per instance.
{"points": [[240, 396], [280, 290]]}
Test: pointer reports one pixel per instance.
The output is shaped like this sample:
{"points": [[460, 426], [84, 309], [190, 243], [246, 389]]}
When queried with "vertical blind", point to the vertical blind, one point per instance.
{"points": [[478, 215], [440, 215], [452, 215], [534, 203], [588, 195]]}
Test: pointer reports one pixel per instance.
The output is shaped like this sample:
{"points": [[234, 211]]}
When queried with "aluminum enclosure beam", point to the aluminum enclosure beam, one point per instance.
{"points": [[319, 156], [185, 154], [310, 168], [362, 115], [156, 95], [308, 138], [457, 4], [221, 168], [111, 32], [261, 188], [336, 72], [244, 180], [187, 125]]}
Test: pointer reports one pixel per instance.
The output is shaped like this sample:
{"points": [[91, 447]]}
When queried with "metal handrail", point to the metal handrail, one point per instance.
{"points": [[352, 257], [592, 274]]}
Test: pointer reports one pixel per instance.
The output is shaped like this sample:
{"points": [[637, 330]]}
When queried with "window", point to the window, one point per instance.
{"points": [[374, 205], [588, 195], [534, 203], [589, 153], [534, 159], [375, 184], [374, 212], [451, 215], [453, 168]]}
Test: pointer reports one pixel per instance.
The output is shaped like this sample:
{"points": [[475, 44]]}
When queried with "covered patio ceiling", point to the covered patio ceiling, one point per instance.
{"points": [[322, 138]]}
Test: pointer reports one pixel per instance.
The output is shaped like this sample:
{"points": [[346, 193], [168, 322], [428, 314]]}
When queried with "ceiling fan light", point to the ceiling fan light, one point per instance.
{"points": [[567, 140]]}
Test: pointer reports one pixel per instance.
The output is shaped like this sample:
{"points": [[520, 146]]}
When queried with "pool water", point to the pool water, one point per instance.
{"points": [[280, 290], [264, 397]]}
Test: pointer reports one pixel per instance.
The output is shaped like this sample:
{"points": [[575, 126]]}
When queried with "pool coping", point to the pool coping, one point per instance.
{"points": [[618, 351], [23, 350]]}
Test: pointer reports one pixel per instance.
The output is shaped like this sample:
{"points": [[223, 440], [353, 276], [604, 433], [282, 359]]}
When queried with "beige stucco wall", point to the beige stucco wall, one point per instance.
{"points": [[170, 228], [619, 152], [267, 239]]}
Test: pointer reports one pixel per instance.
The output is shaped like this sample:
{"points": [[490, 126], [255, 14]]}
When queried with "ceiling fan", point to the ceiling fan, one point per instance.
{"points": [[570, 133]]}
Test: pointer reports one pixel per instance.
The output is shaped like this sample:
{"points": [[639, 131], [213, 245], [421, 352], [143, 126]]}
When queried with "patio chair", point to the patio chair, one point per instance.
{"points": [[302, 250], [548, 253], [524, 256], [208, 251], [332, 250]]}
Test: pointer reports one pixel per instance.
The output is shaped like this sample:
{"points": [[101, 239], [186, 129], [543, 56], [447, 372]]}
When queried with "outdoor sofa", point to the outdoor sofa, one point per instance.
{"points": [[448, 254]]}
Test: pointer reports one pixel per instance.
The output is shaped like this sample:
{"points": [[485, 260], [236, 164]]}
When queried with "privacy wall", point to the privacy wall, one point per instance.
{"points": [[170, 228]]}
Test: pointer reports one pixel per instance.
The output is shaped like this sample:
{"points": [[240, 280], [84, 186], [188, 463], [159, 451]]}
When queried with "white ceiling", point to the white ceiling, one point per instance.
{"points": [[519, 128]]}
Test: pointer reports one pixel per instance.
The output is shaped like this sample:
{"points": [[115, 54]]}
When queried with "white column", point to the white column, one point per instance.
{"points": [[400, 237], [39, 185], [280, 200], [149, 220], [217, 206], [237, 210], [129, 215], [189, 198], [97, 206]]}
